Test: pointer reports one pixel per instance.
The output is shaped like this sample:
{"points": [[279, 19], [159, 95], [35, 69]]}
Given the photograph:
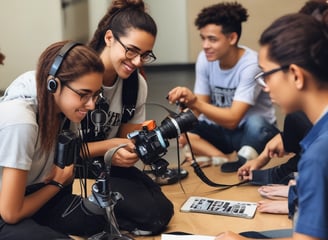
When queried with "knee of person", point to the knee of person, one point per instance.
{"points": [[153, 221], [259, 124], [255, 121]]}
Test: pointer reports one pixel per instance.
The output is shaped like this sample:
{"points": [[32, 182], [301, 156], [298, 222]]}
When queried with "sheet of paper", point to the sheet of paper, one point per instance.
{"points": [[186, 237]]}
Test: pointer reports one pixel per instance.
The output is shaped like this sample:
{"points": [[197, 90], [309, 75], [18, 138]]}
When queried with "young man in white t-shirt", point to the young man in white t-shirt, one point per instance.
{"points": [[234, 113]]}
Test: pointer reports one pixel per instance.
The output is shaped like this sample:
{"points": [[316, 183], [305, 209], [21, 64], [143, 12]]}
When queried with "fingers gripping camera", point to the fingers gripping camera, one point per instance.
{"points": [[152, 141]]}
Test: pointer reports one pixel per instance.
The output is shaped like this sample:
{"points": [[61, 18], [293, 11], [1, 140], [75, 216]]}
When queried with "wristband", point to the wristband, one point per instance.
{"points": [[57, 184]]}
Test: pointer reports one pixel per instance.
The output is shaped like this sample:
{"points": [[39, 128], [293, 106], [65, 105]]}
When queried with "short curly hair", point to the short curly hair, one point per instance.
{"points": [[229, 15]]}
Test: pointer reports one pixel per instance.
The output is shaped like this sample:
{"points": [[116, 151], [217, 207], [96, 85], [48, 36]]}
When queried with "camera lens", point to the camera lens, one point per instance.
{"points": [[172, 127]]}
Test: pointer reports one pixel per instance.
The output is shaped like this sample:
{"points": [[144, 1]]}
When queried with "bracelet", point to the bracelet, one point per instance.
{"points": [[57, 184]]}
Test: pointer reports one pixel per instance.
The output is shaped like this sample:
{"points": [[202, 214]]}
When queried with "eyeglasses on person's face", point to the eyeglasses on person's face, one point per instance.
{"points": [[85, 97], [131, 53], [260, 77]]}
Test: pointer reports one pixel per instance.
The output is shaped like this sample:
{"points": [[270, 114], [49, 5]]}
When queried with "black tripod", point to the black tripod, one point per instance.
{"points": [[102, 198]]}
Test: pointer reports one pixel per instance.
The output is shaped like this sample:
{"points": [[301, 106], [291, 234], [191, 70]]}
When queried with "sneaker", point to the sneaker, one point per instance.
{"points": [[233, 166], [139, 232], [205, 161], [170, 176]]}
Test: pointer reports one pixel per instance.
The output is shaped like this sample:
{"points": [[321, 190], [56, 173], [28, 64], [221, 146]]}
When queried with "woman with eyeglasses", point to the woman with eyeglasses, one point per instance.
{"points": [[35, 194], [124, 41], [294, 51]]}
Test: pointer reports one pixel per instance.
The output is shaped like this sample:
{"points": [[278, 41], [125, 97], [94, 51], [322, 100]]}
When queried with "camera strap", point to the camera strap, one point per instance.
{"points": [[110, 153]]}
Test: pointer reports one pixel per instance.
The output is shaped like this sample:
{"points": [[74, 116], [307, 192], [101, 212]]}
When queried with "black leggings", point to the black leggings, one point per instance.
{"points": [[145, 207], [63, 215]]}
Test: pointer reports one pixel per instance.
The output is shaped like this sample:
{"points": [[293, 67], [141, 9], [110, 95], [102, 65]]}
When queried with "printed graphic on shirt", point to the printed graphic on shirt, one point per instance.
{"points": [[102, 120], [222, 97]]}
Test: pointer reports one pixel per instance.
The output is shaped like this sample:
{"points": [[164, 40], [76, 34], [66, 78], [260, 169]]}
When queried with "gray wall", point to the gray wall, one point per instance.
{"points": [[28, 27]]}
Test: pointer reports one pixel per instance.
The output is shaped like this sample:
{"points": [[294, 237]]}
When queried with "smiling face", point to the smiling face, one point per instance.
{"points": [[216, 44], [70, 103], [114, 56], [281, 85]]}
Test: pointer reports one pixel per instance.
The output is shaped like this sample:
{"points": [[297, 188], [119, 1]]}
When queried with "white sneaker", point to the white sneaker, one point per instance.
{"points": [[216, 161]]}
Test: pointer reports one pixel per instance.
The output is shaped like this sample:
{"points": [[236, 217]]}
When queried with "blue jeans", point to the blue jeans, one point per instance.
{"points": [[254, 132]]}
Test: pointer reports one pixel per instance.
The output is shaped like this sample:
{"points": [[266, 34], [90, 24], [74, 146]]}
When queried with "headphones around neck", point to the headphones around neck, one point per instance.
{"points": [[52, 82]]}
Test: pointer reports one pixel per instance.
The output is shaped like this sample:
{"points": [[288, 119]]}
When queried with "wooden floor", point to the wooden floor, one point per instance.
{"points": [[207, 224]]}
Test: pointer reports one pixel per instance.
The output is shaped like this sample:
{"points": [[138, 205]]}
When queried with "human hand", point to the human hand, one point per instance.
{"points": [[273, 206], [292, 182], [245, 171], [275, 147], [64, 176], [126, 156], [182, 95], [229, 236], [275, 191]]}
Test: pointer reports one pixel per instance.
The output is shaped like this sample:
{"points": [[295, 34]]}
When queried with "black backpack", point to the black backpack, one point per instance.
{"points": [[129, 96]]}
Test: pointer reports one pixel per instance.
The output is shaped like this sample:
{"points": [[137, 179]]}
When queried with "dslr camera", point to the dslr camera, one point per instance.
{"points": [[152, 141]]}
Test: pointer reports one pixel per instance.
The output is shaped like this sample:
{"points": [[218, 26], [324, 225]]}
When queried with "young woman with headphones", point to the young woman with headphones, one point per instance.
{"points": [[36, 195], [123, 40]]}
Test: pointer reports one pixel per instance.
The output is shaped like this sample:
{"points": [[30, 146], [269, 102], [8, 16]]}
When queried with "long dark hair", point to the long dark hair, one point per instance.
{"points": [[121, 16], [298, 39], [79, 61]]}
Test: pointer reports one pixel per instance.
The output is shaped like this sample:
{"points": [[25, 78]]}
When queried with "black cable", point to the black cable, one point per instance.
{"points": [[179, 165], [197, 169], [199, 172], [85, 161]]}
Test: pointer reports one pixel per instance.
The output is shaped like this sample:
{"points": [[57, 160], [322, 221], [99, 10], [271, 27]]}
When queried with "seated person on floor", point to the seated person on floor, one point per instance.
{"points": [[235, 113], [36, 200], [292, 55], [124, 40], [145, 209]]}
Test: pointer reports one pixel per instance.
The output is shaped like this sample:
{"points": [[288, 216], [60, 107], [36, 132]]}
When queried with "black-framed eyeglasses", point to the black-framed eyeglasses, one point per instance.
{"points": [[85, 97], [260, 77], [130, 53]]}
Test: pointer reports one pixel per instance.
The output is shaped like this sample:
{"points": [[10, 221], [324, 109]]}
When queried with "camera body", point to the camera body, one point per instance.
{"points": [[149, 142], [152, 142]]}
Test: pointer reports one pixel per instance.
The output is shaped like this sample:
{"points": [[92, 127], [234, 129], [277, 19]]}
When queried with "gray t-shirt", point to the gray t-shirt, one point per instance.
{"points": [[235, 84], [113, 97], [20, 146]]}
